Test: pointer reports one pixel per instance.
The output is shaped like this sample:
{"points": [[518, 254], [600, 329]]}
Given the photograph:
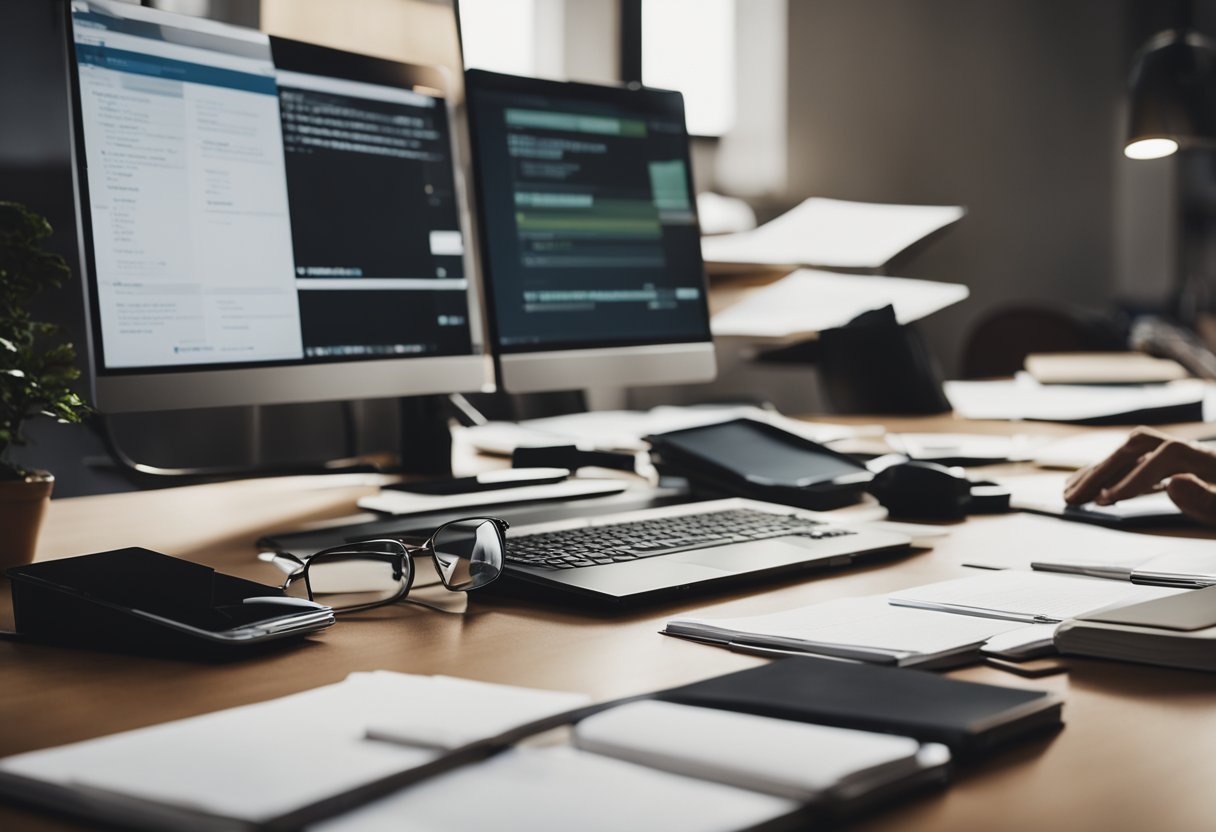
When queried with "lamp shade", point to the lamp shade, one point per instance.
{"points": [[1173, 95]]}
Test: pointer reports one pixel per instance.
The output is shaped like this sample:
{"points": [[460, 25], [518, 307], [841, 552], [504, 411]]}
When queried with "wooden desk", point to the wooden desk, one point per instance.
{"points": [[1138, 751]]}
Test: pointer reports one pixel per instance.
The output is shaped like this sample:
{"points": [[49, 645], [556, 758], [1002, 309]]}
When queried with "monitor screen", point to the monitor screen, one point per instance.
{"points": [[586, 209], [250, 202]]}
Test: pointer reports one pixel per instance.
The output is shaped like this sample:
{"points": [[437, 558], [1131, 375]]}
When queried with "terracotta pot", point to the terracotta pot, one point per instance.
{"points": [[22, 504]]}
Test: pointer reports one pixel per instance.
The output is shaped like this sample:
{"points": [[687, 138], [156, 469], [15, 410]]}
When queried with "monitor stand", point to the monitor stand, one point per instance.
{"points": [[425, 450]]}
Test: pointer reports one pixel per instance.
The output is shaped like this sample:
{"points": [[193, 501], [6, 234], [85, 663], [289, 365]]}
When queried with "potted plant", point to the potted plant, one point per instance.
{"points": [[36, 373]]}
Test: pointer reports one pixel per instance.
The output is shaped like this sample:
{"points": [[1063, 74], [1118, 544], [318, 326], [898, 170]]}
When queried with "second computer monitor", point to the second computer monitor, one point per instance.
{"points": [[590, 246]]}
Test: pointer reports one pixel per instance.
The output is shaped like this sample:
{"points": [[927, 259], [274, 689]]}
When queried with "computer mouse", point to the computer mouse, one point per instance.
{"points": [[922, 490]]}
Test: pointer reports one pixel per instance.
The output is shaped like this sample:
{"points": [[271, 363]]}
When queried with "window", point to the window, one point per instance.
{"points": [[689, 45]]}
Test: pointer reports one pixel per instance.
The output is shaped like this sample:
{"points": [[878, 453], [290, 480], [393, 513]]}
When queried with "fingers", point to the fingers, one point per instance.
{"points": [[1195, 497], [1171, 457], [1085, 485]]}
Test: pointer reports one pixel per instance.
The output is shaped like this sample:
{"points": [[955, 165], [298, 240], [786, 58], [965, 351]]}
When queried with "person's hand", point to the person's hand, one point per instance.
{"points": [[1142, 464]]}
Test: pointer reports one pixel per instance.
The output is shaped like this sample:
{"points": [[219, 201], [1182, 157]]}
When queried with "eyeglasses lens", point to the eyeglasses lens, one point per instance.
{"points": [[351, 580], [469, 553]]}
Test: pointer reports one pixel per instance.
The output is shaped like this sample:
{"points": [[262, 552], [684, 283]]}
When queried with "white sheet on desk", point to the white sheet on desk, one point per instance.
{"points": [[557, 790], [1024, 398], [393, 501], [867, 622], [810, 301], [833, 233], [775, 756], [1019, 595], [253, 763], [1045, 492], [624, 429], [1085, 449], [458, 711], [1023, 643], [935, 446], [1028, 538]]}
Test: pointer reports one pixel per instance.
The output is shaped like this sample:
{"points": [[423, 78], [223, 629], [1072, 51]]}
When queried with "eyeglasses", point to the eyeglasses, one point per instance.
{"points": [[468, 554]]}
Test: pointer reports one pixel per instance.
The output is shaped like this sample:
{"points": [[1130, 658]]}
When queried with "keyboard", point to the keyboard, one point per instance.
{"points": [[620, 542]]}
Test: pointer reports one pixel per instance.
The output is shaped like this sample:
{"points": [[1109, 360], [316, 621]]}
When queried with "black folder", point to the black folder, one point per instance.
{"points": [[967, 716]]}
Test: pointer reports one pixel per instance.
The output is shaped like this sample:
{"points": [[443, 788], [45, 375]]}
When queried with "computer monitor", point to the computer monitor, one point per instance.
{"points": [[590, 247], [262, 220]]}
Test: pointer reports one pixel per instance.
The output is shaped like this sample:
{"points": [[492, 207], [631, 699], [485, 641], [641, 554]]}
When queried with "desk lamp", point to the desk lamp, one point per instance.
{"points": [[1172, 95]]}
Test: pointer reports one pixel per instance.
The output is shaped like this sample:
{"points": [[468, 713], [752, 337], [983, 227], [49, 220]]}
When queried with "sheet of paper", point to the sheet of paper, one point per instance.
{"points": [[552, 789], [1085, 449], [857, 625], [622, 430], [775, 756], [453, 712], [404, 502], [1024, 398], [810, 301], [936, 446], [1027, 642], [253, 763], [832, 233], [1045, 493], [1039, 597], [1089, 549]]}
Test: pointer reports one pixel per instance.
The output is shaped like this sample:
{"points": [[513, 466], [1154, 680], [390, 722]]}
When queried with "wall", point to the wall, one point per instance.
{"points": [[1009, 107]]}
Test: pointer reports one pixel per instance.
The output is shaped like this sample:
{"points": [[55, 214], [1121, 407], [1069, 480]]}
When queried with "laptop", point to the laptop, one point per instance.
{"points": [[668, 551]]}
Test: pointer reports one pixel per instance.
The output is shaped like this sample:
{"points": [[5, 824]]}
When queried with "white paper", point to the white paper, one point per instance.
{"points": [[559, 790], [622, 430], [1085, 449], [810, 301], [404, 502], [452, 712], [832, 233], [252, 763], [1039, 597], [1045, 493], [1024, 398], [936, 446], [848, 627], [775, 756]]}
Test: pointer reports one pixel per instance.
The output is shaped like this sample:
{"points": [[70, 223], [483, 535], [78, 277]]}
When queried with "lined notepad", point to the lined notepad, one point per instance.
{"points": [[1033, 597]]}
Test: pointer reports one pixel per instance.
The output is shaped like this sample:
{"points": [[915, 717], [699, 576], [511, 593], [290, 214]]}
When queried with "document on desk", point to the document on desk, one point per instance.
{"points": [[1031, 541], [863, 629], [1044, 494], [1031, 597], [1025, 398], [624, 430], [810, 301], [247, 765], [780, 757], [559, 789], [832, 233]]}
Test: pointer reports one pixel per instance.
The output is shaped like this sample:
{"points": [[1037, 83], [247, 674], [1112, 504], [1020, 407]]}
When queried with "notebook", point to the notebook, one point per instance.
{"points": [[1178, 631], [799, 761], [966, 716], [864, 629]]}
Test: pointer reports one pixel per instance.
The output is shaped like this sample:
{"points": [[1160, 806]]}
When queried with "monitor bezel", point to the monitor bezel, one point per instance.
{"points": [[115, 390], [567, 365]]}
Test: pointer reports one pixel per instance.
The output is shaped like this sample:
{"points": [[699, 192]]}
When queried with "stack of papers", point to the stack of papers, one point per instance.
{"points": [[809, 301], [259, 763], [832, 233], [863, 629], [1032, 597], [1025, 398]]}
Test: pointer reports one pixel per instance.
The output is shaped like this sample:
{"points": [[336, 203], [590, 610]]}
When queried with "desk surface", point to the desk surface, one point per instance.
{"points": [[1138, 751]]}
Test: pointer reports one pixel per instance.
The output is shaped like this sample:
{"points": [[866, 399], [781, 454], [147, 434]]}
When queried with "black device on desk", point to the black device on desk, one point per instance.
{"points": [[139, 600]]}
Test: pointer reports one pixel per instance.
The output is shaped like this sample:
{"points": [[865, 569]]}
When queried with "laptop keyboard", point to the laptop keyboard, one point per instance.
{"points": [[619, 542]]}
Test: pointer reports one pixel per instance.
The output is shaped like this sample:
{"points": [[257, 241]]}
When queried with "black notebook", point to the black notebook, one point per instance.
{"points": [[966, 716]]}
